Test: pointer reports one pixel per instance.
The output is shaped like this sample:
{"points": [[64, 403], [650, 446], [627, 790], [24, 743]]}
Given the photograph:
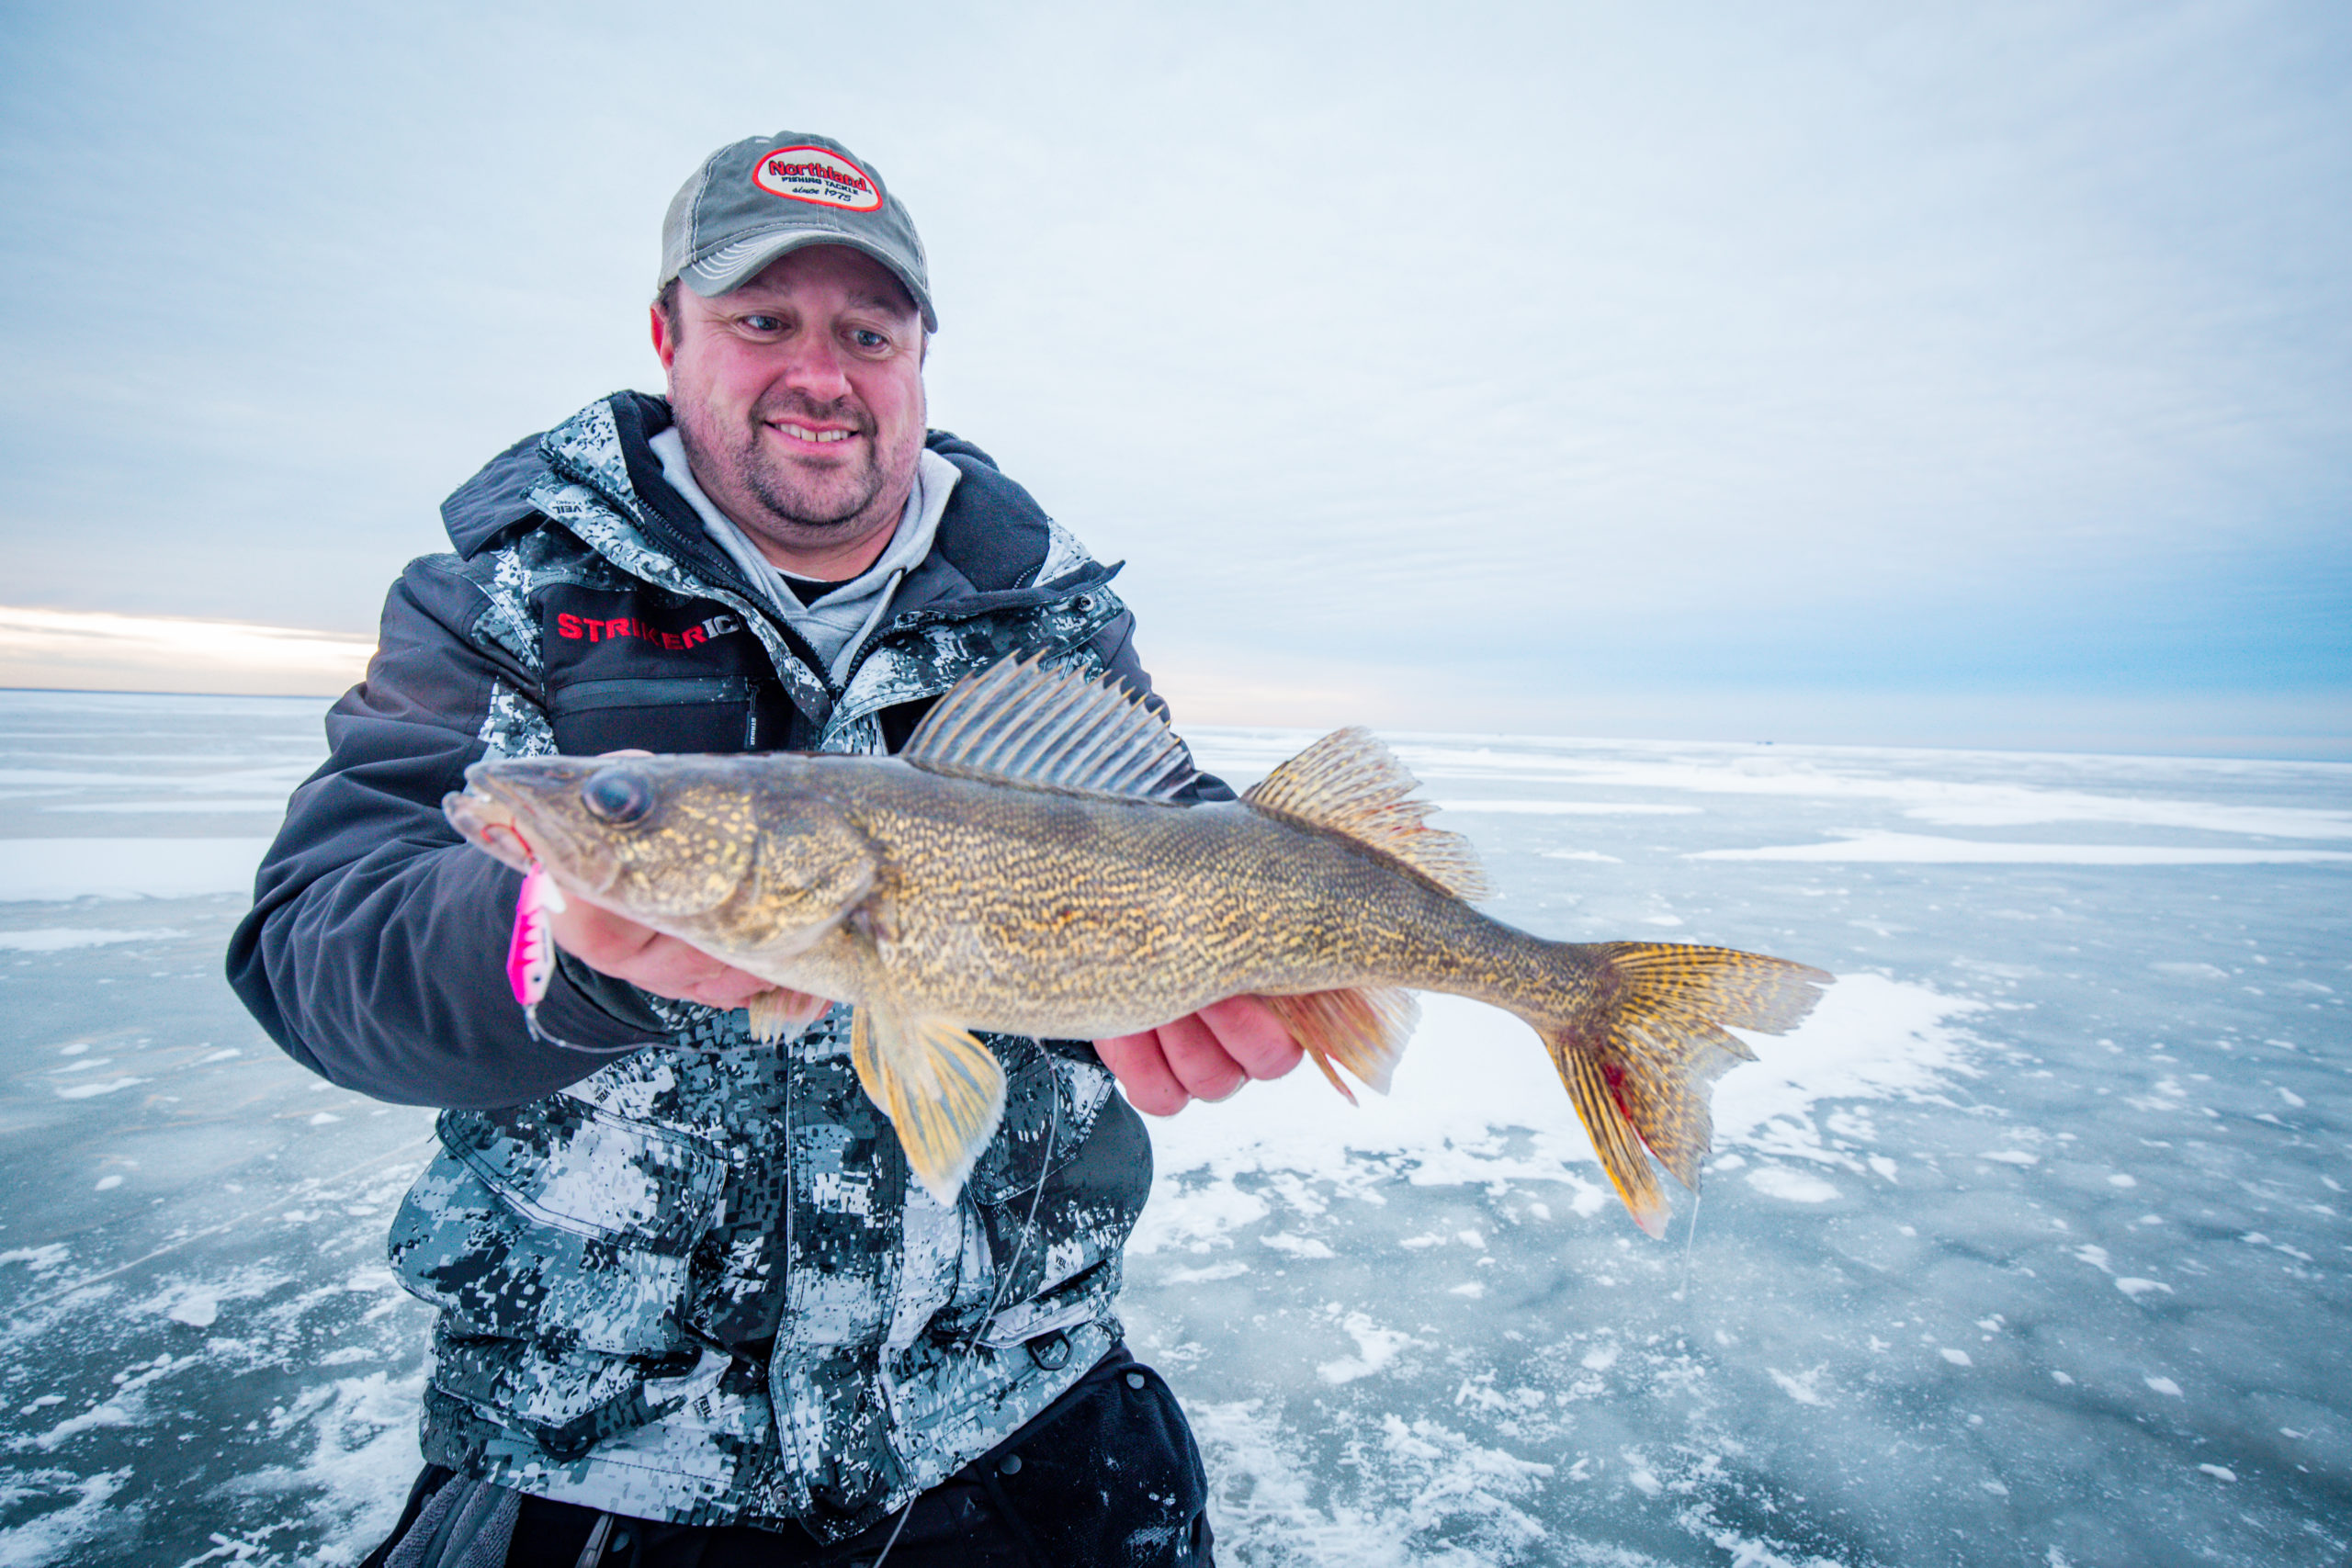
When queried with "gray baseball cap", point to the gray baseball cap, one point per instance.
{"points": [[766, 195]]}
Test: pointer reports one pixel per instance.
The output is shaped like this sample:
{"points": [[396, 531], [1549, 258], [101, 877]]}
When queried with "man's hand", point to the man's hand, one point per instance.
{"points": [[1205, 1056], [616, 945]]}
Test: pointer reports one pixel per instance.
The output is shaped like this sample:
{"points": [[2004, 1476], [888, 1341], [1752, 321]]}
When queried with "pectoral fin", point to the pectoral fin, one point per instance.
{"points": [[940, 1088], [777, 1015]]}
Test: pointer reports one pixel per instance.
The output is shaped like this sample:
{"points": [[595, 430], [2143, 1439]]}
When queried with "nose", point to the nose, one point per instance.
{"points": [[813, 366]]}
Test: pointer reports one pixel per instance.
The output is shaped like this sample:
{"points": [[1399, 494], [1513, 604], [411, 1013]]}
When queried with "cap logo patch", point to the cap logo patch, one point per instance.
{"points": [[815, 175]]}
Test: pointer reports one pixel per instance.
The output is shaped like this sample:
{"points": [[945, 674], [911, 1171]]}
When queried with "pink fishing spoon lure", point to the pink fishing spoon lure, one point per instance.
{"points": [[530, 952]]}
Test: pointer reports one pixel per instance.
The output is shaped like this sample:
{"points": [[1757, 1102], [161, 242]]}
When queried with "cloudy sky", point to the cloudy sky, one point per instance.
{"points": [[1972, 374]]}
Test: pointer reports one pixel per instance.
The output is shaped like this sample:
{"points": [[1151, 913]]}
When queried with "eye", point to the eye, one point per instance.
{"points": [[618, 795], [761, 324], [869, 340]]}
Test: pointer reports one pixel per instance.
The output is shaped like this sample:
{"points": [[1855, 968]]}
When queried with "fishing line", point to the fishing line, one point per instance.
{"points": [[539, 1033], [1689, 1247], [1028, 1223], [1021, 1247]]}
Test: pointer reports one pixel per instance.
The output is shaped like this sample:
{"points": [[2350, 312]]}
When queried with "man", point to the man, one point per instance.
{"points": [[692, 1308]]}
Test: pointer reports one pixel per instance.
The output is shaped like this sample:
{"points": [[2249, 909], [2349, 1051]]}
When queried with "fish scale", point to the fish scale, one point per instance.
{"points": [[1074, 898]]}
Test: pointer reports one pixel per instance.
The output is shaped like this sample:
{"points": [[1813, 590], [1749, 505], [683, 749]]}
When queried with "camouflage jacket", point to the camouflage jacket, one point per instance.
{"points": [[686, 1280]]}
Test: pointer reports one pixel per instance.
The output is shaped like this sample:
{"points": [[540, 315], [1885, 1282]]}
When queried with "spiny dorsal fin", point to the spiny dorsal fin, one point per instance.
{"points": [[1019, 723], [1348, 782]]}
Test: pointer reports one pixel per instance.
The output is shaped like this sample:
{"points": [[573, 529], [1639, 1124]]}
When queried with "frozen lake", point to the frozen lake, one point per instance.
{"points": [[2030, 1248]]}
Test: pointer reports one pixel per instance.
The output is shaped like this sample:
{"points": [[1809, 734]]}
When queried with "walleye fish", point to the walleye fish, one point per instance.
{"points": [[1023, 866]]}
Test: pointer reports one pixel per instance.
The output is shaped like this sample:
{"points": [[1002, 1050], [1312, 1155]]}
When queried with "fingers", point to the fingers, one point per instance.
{"points": [[616, 945], [1198, 1060], [597, 937], [708, 981], [1206, 1055], [1251, 1036], [1141, 1067]]}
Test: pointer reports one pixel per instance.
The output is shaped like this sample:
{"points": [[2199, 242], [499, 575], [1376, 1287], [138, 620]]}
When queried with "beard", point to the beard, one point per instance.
{"points": [[768, 493]]}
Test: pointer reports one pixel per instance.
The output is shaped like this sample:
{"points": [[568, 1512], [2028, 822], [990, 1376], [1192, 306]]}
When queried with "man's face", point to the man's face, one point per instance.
{"points": [[799, 398]]}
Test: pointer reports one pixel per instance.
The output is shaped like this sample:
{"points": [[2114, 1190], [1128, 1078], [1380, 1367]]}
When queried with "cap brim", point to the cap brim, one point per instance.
{"points": [[732, 265]]}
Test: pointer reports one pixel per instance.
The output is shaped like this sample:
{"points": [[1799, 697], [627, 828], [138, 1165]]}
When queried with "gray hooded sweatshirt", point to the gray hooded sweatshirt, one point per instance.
{"points": [[838, 624]]}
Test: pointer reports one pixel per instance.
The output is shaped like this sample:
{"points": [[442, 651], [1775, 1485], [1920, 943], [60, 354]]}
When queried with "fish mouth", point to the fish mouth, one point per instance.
{"points": [[495, 812], [489, 824]]}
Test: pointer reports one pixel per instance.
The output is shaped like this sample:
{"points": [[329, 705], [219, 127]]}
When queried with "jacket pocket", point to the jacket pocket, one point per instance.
{"points": [[560, 1224], [1061, 1186], [1085, 1297], [1050, 1105], [691, 713], [562, 1402]]}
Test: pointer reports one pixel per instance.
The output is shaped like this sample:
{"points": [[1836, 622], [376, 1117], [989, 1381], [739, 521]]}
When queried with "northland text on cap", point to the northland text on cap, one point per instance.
{"points": [[767, 195]]}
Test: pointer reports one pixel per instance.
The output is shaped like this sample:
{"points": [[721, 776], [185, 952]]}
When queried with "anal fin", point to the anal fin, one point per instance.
{"points": [[1363, 1030], [941, 1089]]}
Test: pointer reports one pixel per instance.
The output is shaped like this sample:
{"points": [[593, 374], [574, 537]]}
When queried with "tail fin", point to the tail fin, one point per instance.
{"points": [[1641, 1063]]}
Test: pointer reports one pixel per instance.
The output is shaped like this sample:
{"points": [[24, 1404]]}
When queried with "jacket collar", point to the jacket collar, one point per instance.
{"points": [[996, 548], [602, 449]]}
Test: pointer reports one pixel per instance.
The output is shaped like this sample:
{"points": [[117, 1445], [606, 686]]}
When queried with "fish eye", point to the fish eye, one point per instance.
{"points": [[618, 795]]}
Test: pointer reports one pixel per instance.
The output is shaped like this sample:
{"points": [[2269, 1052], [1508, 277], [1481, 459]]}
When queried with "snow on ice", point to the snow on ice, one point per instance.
{"points": [[2028, 1248]]}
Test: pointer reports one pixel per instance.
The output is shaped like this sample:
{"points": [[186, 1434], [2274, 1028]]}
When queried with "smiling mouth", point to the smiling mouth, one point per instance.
{"points": [[816, 437]]}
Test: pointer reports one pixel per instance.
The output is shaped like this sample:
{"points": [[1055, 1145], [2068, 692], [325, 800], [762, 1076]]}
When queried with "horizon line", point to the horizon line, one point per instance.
{"points": [[1402, 733]]}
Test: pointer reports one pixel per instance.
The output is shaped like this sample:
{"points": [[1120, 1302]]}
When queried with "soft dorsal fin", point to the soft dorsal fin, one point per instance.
{"points": [[1348, 782], [1019, 723]]}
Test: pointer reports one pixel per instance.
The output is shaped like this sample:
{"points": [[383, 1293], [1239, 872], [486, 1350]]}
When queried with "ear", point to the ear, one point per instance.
{"points": [[664, 348]]}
